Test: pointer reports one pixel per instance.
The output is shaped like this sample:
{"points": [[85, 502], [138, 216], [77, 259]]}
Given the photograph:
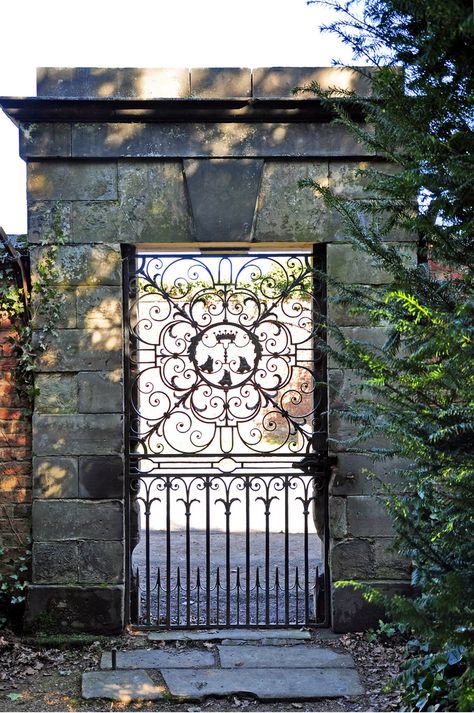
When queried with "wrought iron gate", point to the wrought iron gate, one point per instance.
{"points": [[226, 442]]}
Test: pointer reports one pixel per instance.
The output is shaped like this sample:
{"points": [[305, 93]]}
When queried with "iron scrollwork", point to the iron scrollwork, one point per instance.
{"points": [[224, 360]]}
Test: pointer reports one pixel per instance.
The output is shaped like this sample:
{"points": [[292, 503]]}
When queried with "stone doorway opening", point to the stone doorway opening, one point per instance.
{"points": [[226, 442]]}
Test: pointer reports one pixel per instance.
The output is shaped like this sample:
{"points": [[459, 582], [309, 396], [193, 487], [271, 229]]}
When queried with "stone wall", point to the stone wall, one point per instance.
{"points": [[124, 179]]}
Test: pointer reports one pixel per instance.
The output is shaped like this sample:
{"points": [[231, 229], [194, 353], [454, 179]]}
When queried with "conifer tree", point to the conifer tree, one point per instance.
{"points": [[420, 116]]}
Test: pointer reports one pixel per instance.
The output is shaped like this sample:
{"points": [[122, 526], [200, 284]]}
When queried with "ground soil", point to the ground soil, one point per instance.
{"points": [[36, 675]]}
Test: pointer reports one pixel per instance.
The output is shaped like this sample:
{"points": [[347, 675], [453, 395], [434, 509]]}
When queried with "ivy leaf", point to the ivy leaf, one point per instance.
{"points": [[13, 696]]}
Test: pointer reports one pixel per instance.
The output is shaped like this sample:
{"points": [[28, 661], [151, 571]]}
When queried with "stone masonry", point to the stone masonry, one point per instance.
{"points": [[167, 157]]}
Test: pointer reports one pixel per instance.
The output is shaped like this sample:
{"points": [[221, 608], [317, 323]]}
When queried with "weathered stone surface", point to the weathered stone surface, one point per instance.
{"points": [[352, 559], [239, 634], [101, 477], [55, 477], [100, 561], [349, 266], [217, 83], [95, 221], [153, 203], [223, 194], [66, 180], [344, 316], [375, 336], [367, 517], [83, 264], [112, 82], [68, 609], [388, 563], [289, 657], [351, 612], [58, 520], [123, 686], [348, 178], [54, 563], [48, 218], [337, 517], [359, 475], [57, 393], [75, 350], [99, 306], [161, 658], [345, 386], [100, 392], [206, 140], [65, 304], [288, 212], [306, 683], [280, 81], [54, 140], [77, 434]]}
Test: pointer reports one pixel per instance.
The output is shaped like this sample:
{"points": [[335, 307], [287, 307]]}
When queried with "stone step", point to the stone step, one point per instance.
{"points": [[159, 658], [123, 686], [229, 634], [289, 657], [275, 684]]}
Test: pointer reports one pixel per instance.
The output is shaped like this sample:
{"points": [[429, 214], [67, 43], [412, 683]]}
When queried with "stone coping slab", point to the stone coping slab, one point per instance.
{"points": [[236, 634], [289, 657], [123, 686], [276, 684], [159, 658]]}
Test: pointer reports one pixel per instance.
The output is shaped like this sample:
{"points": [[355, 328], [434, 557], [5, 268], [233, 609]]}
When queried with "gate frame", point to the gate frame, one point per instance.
{"points": [[324, 462]]}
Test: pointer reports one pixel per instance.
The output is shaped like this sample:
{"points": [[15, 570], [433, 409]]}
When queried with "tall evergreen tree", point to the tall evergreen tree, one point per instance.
{"points": [[420, 116]]}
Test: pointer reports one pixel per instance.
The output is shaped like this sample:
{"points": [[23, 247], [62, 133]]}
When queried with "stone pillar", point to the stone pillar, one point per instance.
{"points": [[78, 517]]}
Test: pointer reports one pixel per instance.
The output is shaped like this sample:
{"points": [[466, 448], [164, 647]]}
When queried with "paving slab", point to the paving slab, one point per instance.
{"points": [[289, 657], [159, 658], [124, 686], [262, 642], [275, 684], [219, 634]]}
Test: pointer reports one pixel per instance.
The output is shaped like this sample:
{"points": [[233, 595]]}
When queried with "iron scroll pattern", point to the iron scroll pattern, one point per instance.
{"points": [[223, 361]]}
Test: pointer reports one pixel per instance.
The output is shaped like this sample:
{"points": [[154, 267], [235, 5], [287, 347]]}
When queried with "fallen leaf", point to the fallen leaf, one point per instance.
{"points": [[13, 696]]}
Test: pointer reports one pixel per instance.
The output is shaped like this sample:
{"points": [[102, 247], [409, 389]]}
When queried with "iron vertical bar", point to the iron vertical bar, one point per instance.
{"points": [[287, 553], [147, 561], [128, 255], [267, 562], [208, 550], [168, 552], [306, 560], [247, 549], [227, 565], [188, 565]]}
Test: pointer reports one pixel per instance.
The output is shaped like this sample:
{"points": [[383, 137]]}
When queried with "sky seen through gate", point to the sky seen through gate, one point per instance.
{"points": [[145, 33]]}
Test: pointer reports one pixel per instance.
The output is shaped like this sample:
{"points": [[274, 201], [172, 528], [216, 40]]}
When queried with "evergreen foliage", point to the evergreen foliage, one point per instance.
{"points": [[420, 116]]}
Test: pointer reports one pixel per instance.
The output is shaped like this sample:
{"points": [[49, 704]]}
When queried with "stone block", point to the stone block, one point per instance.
{"points": [[100, 561], [95, 221], [347, 265], [345, 386], [153, 203], [219, 83], [351, 612], [36, 140], [372, 336], [59, 520], [342, 315], [55, 477], [77, 434], [72, 180], [100, 392], [205, 140], [367, 517], [288, 212], [54, 609], [388, 563], [54, 563], [112, 82], [281, 81], [83, 264], [223, 195], [360, 475], [337, 518], [47, 220], [352, 559], [347, 178], [99, 307], [80, 349], [57, 393], [101, 477], [122, 686], [65, 307]]}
